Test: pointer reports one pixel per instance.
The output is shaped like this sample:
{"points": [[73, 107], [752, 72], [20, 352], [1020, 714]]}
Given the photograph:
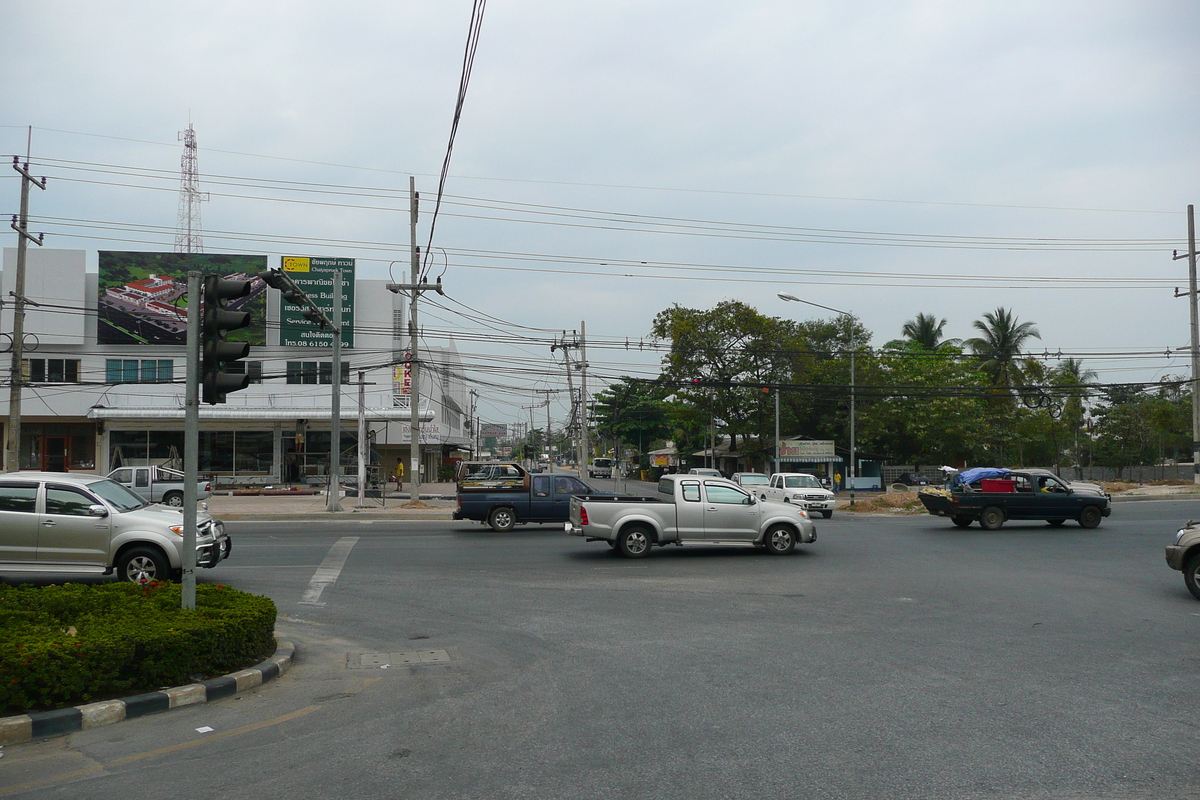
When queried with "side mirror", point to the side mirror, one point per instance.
{"points": [[97, 511], [750, 500]]}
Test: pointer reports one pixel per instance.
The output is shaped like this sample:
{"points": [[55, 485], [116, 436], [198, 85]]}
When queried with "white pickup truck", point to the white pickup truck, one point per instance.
{"points": [[690, 509], [158, 484], [799, 488]]}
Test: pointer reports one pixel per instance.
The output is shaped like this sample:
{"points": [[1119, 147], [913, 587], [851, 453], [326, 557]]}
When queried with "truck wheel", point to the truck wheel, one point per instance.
{"points": [[780, 540], [174, 499], [992, 518], [634, 542], [1090, 517], [1191, 574], [827, 514], [961, 520], [142, 565], [502, 520]]}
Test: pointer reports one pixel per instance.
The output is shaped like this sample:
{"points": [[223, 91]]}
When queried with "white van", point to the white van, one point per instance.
{"points": [[600, 468]]}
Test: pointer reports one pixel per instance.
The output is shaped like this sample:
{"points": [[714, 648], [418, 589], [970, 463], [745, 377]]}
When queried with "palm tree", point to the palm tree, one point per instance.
{"points": [[1071, 373], [925, 331], [1000, 345]]}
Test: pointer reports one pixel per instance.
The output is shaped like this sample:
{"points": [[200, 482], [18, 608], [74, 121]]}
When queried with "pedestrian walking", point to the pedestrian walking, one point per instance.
{"points": [[837, 481]]}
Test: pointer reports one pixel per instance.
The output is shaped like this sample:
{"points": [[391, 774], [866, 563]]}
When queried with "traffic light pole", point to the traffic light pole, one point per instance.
{"points": [[191, 440]]}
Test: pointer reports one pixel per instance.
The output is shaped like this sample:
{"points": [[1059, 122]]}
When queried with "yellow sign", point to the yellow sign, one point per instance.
{"points": [[296, 264]]}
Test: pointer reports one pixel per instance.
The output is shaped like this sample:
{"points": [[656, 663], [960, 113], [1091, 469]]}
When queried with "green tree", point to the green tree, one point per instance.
{"points": [[916, 419], [730, 343], [633, 411]]}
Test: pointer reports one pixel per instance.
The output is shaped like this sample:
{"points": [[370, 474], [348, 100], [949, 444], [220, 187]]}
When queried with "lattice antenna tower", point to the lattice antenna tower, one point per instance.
{"points": [[189, 238]]}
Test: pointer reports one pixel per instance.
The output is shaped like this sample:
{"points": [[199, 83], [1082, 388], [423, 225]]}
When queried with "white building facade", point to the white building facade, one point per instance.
{"points": [[91, 407]]}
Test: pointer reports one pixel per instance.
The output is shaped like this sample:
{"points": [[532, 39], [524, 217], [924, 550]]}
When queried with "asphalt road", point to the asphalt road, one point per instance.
{"points": [[893, 658]]}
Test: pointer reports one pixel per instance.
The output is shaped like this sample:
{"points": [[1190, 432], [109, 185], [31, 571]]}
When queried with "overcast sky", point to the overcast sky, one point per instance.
{"points": [[881, 158]]}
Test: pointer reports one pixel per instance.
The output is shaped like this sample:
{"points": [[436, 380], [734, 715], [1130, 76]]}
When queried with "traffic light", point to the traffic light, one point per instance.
{"points": [[215, 352], [530, 451]]}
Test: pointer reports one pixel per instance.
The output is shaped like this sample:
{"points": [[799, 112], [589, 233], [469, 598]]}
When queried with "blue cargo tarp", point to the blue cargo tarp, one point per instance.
{"points": [[979, 473]]}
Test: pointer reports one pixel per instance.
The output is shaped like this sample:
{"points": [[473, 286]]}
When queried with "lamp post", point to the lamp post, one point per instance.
{"points": [[850, 473]]}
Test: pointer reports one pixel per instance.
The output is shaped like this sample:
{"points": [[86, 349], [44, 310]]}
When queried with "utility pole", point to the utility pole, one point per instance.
{"points": [[335, 418], [17, 374], [549, 441], [362, 437], [414, 289], [775, 458], [1195, 320], [474, 425], [850, 474], [583, 400]]}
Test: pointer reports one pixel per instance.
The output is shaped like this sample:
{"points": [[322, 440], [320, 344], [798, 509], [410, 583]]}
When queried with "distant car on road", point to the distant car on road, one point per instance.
{"points": [[750, 479], [705, 472]]}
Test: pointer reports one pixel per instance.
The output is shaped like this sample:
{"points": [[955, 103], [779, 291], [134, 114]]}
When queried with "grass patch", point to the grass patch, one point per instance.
{"points": [[70, 644]]}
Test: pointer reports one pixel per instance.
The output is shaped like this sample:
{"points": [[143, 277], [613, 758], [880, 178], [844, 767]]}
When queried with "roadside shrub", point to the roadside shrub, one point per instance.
{"points": [[63, 645]]}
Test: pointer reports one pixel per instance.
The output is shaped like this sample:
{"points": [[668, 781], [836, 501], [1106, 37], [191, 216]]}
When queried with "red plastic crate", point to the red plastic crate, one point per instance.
{"points": [[998, 485]]}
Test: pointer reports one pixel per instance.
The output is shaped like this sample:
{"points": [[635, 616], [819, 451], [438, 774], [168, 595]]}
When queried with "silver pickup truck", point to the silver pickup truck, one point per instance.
{"points": [[158, 484], [690, 509]]}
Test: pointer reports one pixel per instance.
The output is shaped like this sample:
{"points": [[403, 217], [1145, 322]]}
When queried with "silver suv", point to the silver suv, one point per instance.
{"points": [[90, 525]]}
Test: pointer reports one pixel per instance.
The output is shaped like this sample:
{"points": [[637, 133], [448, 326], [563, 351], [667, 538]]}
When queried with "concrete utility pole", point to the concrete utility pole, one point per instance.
{"points": [[474, 425], [775, 458], [583, 401], [414, 290], [362, 438], [549, 441], [17, 374], [1195, 320], [335, 417]]}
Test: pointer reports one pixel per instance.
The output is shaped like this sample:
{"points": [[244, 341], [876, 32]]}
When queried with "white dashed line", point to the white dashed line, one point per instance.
{"points": [[327, 574]]}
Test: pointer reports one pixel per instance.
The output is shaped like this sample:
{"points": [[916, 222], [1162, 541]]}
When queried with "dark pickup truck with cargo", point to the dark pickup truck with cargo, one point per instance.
{"points": [[992, 496], [503, 495]]}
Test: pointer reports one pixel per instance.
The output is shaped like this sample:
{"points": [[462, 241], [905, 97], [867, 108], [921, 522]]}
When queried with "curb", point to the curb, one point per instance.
{"points": [[1142, 498], [43, 724]]}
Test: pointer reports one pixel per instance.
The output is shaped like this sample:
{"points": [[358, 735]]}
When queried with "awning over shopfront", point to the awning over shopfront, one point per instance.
{"points": [[253, 414]]}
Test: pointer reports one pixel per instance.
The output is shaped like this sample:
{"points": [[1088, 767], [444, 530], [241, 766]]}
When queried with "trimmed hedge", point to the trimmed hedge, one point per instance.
{"points": [[71, 644]]}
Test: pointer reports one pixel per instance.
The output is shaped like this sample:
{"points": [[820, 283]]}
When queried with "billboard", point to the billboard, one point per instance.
{"points": [[142, 297], [314, 276], [806, 449], [493, 429]]}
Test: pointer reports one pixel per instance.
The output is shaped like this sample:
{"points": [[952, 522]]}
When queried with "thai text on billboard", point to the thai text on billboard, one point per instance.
{"points": [[314, 276], [806, 449]]}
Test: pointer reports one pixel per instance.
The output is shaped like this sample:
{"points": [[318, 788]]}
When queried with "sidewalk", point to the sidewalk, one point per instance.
{"points": [[440, 498]]}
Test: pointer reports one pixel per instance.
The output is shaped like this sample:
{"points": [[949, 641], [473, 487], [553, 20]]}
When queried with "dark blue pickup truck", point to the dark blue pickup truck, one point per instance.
{"points": [[503, 495]]}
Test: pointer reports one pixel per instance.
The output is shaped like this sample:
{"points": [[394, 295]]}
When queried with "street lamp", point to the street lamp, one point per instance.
{"points": [[850, 473]]}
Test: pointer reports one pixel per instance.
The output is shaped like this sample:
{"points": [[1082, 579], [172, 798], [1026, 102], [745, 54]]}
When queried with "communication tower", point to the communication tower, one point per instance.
{"points": [[189, 236]]}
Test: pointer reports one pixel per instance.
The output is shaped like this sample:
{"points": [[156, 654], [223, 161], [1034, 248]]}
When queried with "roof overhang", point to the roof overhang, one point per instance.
{"points": [[225, 413]]}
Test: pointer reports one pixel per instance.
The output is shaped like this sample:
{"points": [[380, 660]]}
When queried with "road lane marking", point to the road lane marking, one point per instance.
{"points": [[327, 574]]}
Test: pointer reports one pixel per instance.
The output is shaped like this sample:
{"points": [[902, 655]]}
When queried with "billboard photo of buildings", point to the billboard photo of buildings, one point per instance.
{"points": [[143, 296]]}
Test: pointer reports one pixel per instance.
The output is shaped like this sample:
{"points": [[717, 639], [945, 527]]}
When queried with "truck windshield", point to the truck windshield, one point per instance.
{"points": [[802, 482], [117, 495]]}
